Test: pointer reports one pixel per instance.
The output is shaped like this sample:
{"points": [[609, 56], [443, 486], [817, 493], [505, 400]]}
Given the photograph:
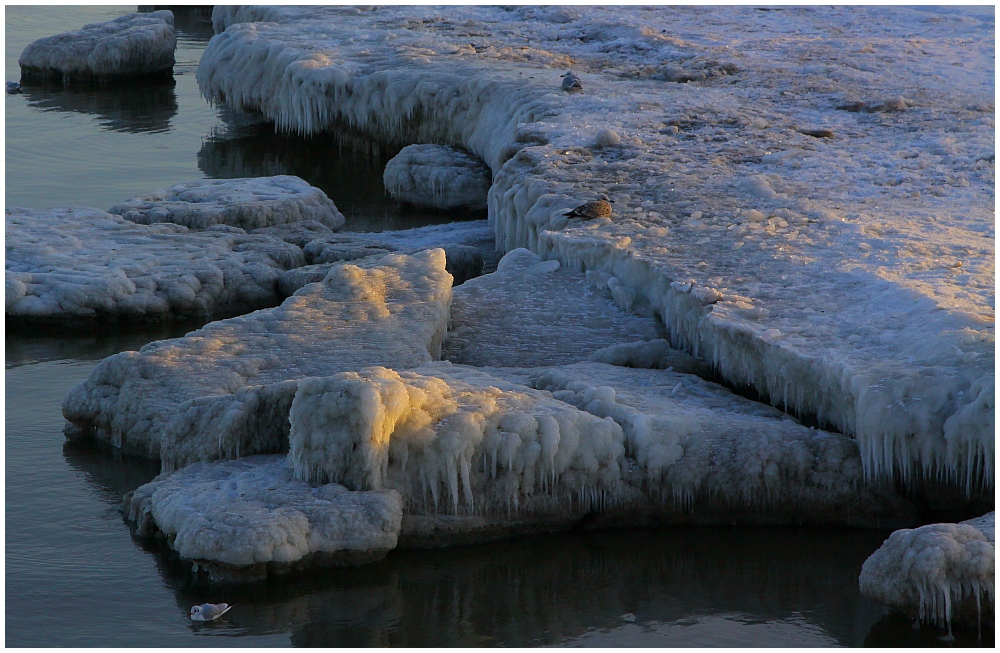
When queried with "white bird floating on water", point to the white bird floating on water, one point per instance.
{"points": [[571, 83], [209, 611]]}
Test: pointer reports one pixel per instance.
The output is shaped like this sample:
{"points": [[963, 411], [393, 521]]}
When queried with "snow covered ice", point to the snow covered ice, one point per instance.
{"points": [[129, 46], [846, 278], [438, 177], [939, 572], [251, 516], [77, 266], [532, 312], [250, 203], [224, 390]]}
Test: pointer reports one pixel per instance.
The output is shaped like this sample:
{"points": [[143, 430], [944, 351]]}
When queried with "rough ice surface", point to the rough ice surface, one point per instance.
{"points": [[251, 512], [76, 266], [439, 177], [248, 203], [849, 278], [129, 46], [939, 572], [224, 390], [532, 312]]}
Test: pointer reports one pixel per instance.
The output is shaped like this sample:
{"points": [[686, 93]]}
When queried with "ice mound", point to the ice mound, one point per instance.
{"points": [[250, 203], [224, 391], [939, 572], [849, 279], [532, 312], [249, 517], [438, 177], [77, 266], [133, 45]]}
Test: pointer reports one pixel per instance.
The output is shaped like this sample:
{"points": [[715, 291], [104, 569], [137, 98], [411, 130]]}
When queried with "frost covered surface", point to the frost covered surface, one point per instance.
{"points": [[940, 572], [439, 177], [248, 203], [840, 260], [251, 511], [224, 390], [128, 46], [532, 312], [76, 266]]}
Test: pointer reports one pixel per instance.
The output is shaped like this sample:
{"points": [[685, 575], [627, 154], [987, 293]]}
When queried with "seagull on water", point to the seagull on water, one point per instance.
{"points": [[571, 83], [13, 87], [209, 611], [596, 209]]}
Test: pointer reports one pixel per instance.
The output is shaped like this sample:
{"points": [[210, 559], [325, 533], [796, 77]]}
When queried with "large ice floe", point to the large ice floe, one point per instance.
{"points": [[437, 176], [224, 391], [940, 572], [76, 266], [250, 203], [133, 45], [812, 214]]}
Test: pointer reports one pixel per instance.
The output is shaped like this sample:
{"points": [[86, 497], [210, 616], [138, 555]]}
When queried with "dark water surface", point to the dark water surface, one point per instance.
{"points": [[75, 577]]}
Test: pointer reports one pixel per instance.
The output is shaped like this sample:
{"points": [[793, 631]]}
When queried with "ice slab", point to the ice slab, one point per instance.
{"points": [[247, 518], [532, 312], [76, 266], [939, 572], [129, 46], [248, 203], [224, 391], [439, 177], [847, 278]]}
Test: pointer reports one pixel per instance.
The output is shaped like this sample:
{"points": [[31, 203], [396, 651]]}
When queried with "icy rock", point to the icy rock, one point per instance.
{"points": [[532, 312], [129, 46], [607, 138], [77, 266], [299, 234], [940, 572], [652, 354], [248, 517], [224, 390], [438, 177], [249, 203]]}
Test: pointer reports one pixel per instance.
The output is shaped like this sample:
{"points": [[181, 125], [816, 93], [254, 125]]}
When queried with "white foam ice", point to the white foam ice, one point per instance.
{"points": [[439, 177], [75, 266], [247, 203], [849, 278], [939, 572], [129, 46], [224, 391]]}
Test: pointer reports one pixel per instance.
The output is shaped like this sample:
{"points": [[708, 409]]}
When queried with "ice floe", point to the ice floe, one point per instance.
{"points": [[532, 312], [438, 177], [249, 517], [249, 203], [224, 391], [846, 278], [133, 45], [74, 266], [940, 573]]}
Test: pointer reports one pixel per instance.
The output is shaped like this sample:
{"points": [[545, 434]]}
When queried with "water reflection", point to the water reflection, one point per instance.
{"points": [[134, 107]]}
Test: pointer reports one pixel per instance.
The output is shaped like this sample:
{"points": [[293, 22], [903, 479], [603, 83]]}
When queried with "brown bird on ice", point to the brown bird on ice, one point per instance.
{"points": [[596, 209]]}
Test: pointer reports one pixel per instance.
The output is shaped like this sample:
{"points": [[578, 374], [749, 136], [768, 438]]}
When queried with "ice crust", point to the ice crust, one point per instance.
{"points": [[849, 278], [129, 46], [249, 203], [939, 572], [76, 266], [532, 312], [438, 177], [251, 511], [224, 391]]}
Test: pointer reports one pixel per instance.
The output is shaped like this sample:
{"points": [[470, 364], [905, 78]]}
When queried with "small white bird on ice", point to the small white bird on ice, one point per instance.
{"points": [[571, 83], [209, 611]]}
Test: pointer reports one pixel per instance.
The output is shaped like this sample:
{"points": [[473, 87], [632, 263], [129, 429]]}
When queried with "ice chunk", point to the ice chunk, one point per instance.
{"points": [[129, 46], [76, 266], [439, 177], [939, 572], [533, 312], [250, 203], [245, 518], [224, 391]]}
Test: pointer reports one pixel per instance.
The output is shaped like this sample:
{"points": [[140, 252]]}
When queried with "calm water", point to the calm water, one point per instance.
{"points": [[75, 577]]}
